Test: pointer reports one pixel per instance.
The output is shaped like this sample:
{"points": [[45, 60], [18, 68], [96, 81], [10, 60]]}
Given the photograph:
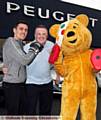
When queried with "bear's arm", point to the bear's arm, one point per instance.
{"points": [[59, 65]]}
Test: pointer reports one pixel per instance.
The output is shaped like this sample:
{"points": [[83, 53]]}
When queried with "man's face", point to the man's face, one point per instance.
{"points": [[20, 32], [41, 35]]}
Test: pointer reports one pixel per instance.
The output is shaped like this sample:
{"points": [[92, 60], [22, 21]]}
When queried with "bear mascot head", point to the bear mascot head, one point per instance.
{"points": [[72, 36]]}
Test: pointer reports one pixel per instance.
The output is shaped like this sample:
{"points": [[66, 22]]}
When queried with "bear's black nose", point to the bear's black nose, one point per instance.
{"points": [[69, 34]]}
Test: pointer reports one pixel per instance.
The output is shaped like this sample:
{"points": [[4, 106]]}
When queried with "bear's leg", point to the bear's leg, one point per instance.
{"points": [[70, 104], [88, 105]]}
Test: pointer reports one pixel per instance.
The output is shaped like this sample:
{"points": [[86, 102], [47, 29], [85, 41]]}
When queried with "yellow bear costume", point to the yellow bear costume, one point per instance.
{"points": [[79, 88]]}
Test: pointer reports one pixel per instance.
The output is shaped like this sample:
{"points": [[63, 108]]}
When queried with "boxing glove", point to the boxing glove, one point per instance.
{"points": [[36, 47], [96, 59], [54, 54]]}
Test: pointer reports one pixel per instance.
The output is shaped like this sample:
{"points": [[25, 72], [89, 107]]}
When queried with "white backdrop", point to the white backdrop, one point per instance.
{"points": [[95, 4]]}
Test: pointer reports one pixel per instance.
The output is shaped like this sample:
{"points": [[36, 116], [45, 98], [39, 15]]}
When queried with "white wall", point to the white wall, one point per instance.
{"points": [[95, 4]]}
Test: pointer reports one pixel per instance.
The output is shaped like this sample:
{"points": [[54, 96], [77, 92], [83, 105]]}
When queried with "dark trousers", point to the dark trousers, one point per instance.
{"points": [[14, 94], [42, 94]]}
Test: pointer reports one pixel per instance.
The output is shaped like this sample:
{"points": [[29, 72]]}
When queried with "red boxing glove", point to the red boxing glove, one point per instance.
{"points": [[96, 59], [54, 54]]}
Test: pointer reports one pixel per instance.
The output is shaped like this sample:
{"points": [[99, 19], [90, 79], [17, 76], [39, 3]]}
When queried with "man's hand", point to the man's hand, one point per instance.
{"points": [[57, 80], [5, 70]]}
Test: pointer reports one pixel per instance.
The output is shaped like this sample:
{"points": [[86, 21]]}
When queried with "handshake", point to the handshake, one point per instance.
{"points": [[36, 47]]}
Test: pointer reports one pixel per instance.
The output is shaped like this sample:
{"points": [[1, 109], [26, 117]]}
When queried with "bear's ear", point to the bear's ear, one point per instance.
{"points": [[53, 30], [83, 19]]}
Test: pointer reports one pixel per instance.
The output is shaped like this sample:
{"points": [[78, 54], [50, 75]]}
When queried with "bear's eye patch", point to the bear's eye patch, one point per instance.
{"points": [[75, 25]]}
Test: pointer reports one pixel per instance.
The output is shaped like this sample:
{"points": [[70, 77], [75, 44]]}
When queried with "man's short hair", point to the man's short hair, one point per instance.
{"points": [[20, 22], [41, 26]]}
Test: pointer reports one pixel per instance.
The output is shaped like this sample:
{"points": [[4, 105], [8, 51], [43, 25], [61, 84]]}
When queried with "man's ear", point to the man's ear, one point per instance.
{"points": [[53, 30], [83, 19], [14, 30]]}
